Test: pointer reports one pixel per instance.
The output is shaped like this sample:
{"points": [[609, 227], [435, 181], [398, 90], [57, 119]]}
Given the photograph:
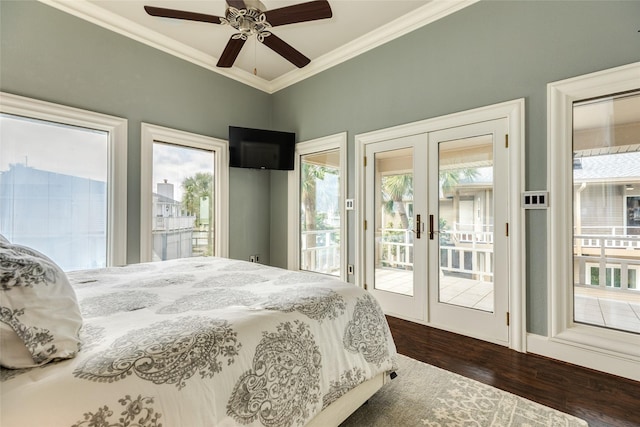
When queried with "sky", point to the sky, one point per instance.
{"points": [[175, 163], [48, 146]]}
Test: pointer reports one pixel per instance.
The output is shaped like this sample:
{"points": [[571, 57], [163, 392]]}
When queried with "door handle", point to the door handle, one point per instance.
{"points": [[431, 231], [418, 226]]}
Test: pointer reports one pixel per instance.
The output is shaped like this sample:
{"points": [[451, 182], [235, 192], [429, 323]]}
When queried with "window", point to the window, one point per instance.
{"points": [[319, 244], [320, 212], [594, 253], [63, 182], [184, 195]]}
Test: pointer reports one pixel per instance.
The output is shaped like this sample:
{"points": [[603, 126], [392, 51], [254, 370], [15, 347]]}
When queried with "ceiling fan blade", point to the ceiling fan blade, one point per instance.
{"points": [[310, 11], [238, 4], [230, 52], [286, 51], [181, 14]]}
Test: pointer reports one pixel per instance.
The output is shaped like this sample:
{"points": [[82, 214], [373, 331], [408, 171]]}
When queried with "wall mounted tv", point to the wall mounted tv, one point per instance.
{"points": [[261, 149]]}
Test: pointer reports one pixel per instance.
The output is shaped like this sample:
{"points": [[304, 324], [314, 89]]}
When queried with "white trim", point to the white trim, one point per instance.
{"points": [[117, 167], [571, 353], [151, 133], [337, 141], [422, 16], [93, 13], [611, 346], [514, 111]]}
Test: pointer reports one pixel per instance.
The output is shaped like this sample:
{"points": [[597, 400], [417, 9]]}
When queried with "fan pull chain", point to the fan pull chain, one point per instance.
{"points": [[255, 49]]}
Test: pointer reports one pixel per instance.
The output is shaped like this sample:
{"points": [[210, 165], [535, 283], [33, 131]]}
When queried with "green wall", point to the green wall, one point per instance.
{"points": [[489, 52], [50, 55]]}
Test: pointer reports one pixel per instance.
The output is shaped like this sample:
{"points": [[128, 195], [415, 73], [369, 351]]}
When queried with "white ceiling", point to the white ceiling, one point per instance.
{"points": [[356, 26]]}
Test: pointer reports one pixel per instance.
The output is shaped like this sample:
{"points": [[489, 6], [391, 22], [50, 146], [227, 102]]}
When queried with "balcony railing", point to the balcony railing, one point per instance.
{"points": [[471, 253], [463, 252], [608, 237], [608, 261], [324, 257], [169, 223]]}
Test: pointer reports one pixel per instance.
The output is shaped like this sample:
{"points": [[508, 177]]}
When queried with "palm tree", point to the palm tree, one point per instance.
{"points": [[198, 189], [396, 189], [311, 174], [449, 178]]}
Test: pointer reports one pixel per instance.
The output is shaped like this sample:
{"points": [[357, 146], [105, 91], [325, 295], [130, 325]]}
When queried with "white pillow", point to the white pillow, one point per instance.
{"points": [[40, 318]]}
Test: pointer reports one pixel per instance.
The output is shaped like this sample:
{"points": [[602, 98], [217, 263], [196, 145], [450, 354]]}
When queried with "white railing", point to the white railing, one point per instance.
{"points": [[479, 264], [619, 282], [611, 241], [474, 256], [396, 248], [322, 258], [470, 233], [611, 253], [173, 223]]}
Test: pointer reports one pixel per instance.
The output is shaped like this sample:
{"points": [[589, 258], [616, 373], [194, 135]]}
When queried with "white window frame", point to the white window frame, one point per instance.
{"points": [[332, 142], [603, 349], [116, 129], [152, 133]]}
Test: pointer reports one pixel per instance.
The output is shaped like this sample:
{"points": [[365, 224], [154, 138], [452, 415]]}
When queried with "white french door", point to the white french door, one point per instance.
{"points": [[468, 275], [395, 245], [436, 244]]}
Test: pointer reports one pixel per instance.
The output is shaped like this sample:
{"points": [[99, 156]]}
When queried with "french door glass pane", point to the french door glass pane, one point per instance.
{"points": [[53, 190], [319, 212], [466, 222], [394, 221], [183, 202], [606, 211]]}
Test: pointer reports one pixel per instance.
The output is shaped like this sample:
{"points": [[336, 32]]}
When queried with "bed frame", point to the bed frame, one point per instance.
{"points": [[347, 404]]}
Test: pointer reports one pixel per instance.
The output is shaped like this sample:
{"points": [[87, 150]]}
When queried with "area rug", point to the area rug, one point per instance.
{"points": [[424, 395]]}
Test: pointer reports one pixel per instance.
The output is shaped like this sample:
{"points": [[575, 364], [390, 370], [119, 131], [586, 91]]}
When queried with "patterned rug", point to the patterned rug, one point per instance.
{"points": [[423, 395]]}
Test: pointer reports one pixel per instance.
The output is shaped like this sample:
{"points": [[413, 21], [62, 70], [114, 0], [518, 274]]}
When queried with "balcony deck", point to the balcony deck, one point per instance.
{"points": [[599, 307]]}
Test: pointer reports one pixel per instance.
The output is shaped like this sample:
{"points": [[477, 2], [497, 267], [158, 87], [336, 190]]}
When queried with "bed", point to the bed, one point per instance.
{"points": [[204, 342]]}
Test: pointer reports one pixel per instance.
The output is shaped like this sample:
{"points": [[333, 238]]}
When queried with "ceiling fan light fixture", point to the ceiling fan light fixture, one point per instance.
{"points": [[251, 17], [249, 21]]}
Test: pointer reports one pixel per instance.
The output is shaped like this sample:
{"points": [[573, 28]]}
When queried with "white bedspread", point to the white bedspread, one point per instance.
{"points": [[204, 342]]}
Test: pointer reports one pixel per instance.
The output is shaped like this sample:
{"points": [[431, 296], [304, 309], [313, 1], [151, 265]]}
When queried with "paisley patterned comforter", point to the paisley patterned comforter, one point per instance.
{"points": [[204, 342]]}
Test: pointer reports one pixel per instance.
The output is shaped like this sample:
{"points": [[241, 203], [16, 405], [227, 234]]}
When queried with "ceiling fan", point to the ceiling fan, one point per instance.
{"points": [[250, 17]]}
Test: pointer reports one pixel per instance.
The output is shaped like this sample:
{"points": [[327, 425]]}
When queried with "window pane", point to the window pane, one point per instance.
{"points": [[606, 183], [394, 224], [183, 202], [466, 222], [53, 190], [319, 212]]}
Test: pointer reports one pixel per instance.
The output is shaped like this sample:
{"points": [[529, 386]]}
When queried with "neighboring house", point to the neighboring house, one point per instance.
{"points": [[75, 231], [172, 230]]}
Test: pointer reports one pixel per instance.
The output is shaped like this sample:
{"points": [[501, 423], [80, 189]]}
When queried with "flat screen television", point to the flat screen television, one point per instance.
{"points": [[261, 149]]}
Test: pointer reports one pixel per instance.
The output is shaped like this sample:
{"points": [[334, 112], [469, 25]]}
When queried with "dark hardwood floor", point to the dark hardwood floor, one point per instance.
{"points": [[600, 399]]}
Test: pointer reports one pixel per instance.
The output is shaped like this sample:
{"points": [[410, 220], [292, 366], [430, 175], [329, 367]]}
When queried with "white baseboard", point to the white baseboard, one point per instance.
{"points": [[600, 361]]}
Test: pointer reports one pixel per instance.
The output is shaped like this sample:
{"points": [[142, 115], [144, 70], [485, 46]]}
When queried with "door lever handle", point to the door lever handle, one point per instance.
{"points": [[431, 231], [418, 226]]}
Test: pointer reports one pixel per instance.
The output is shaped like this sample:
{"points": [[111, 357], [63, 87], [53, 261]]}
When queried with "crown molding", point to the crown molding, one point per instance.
{"points": [[96, 15], [424, 15], [431, 12]]}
